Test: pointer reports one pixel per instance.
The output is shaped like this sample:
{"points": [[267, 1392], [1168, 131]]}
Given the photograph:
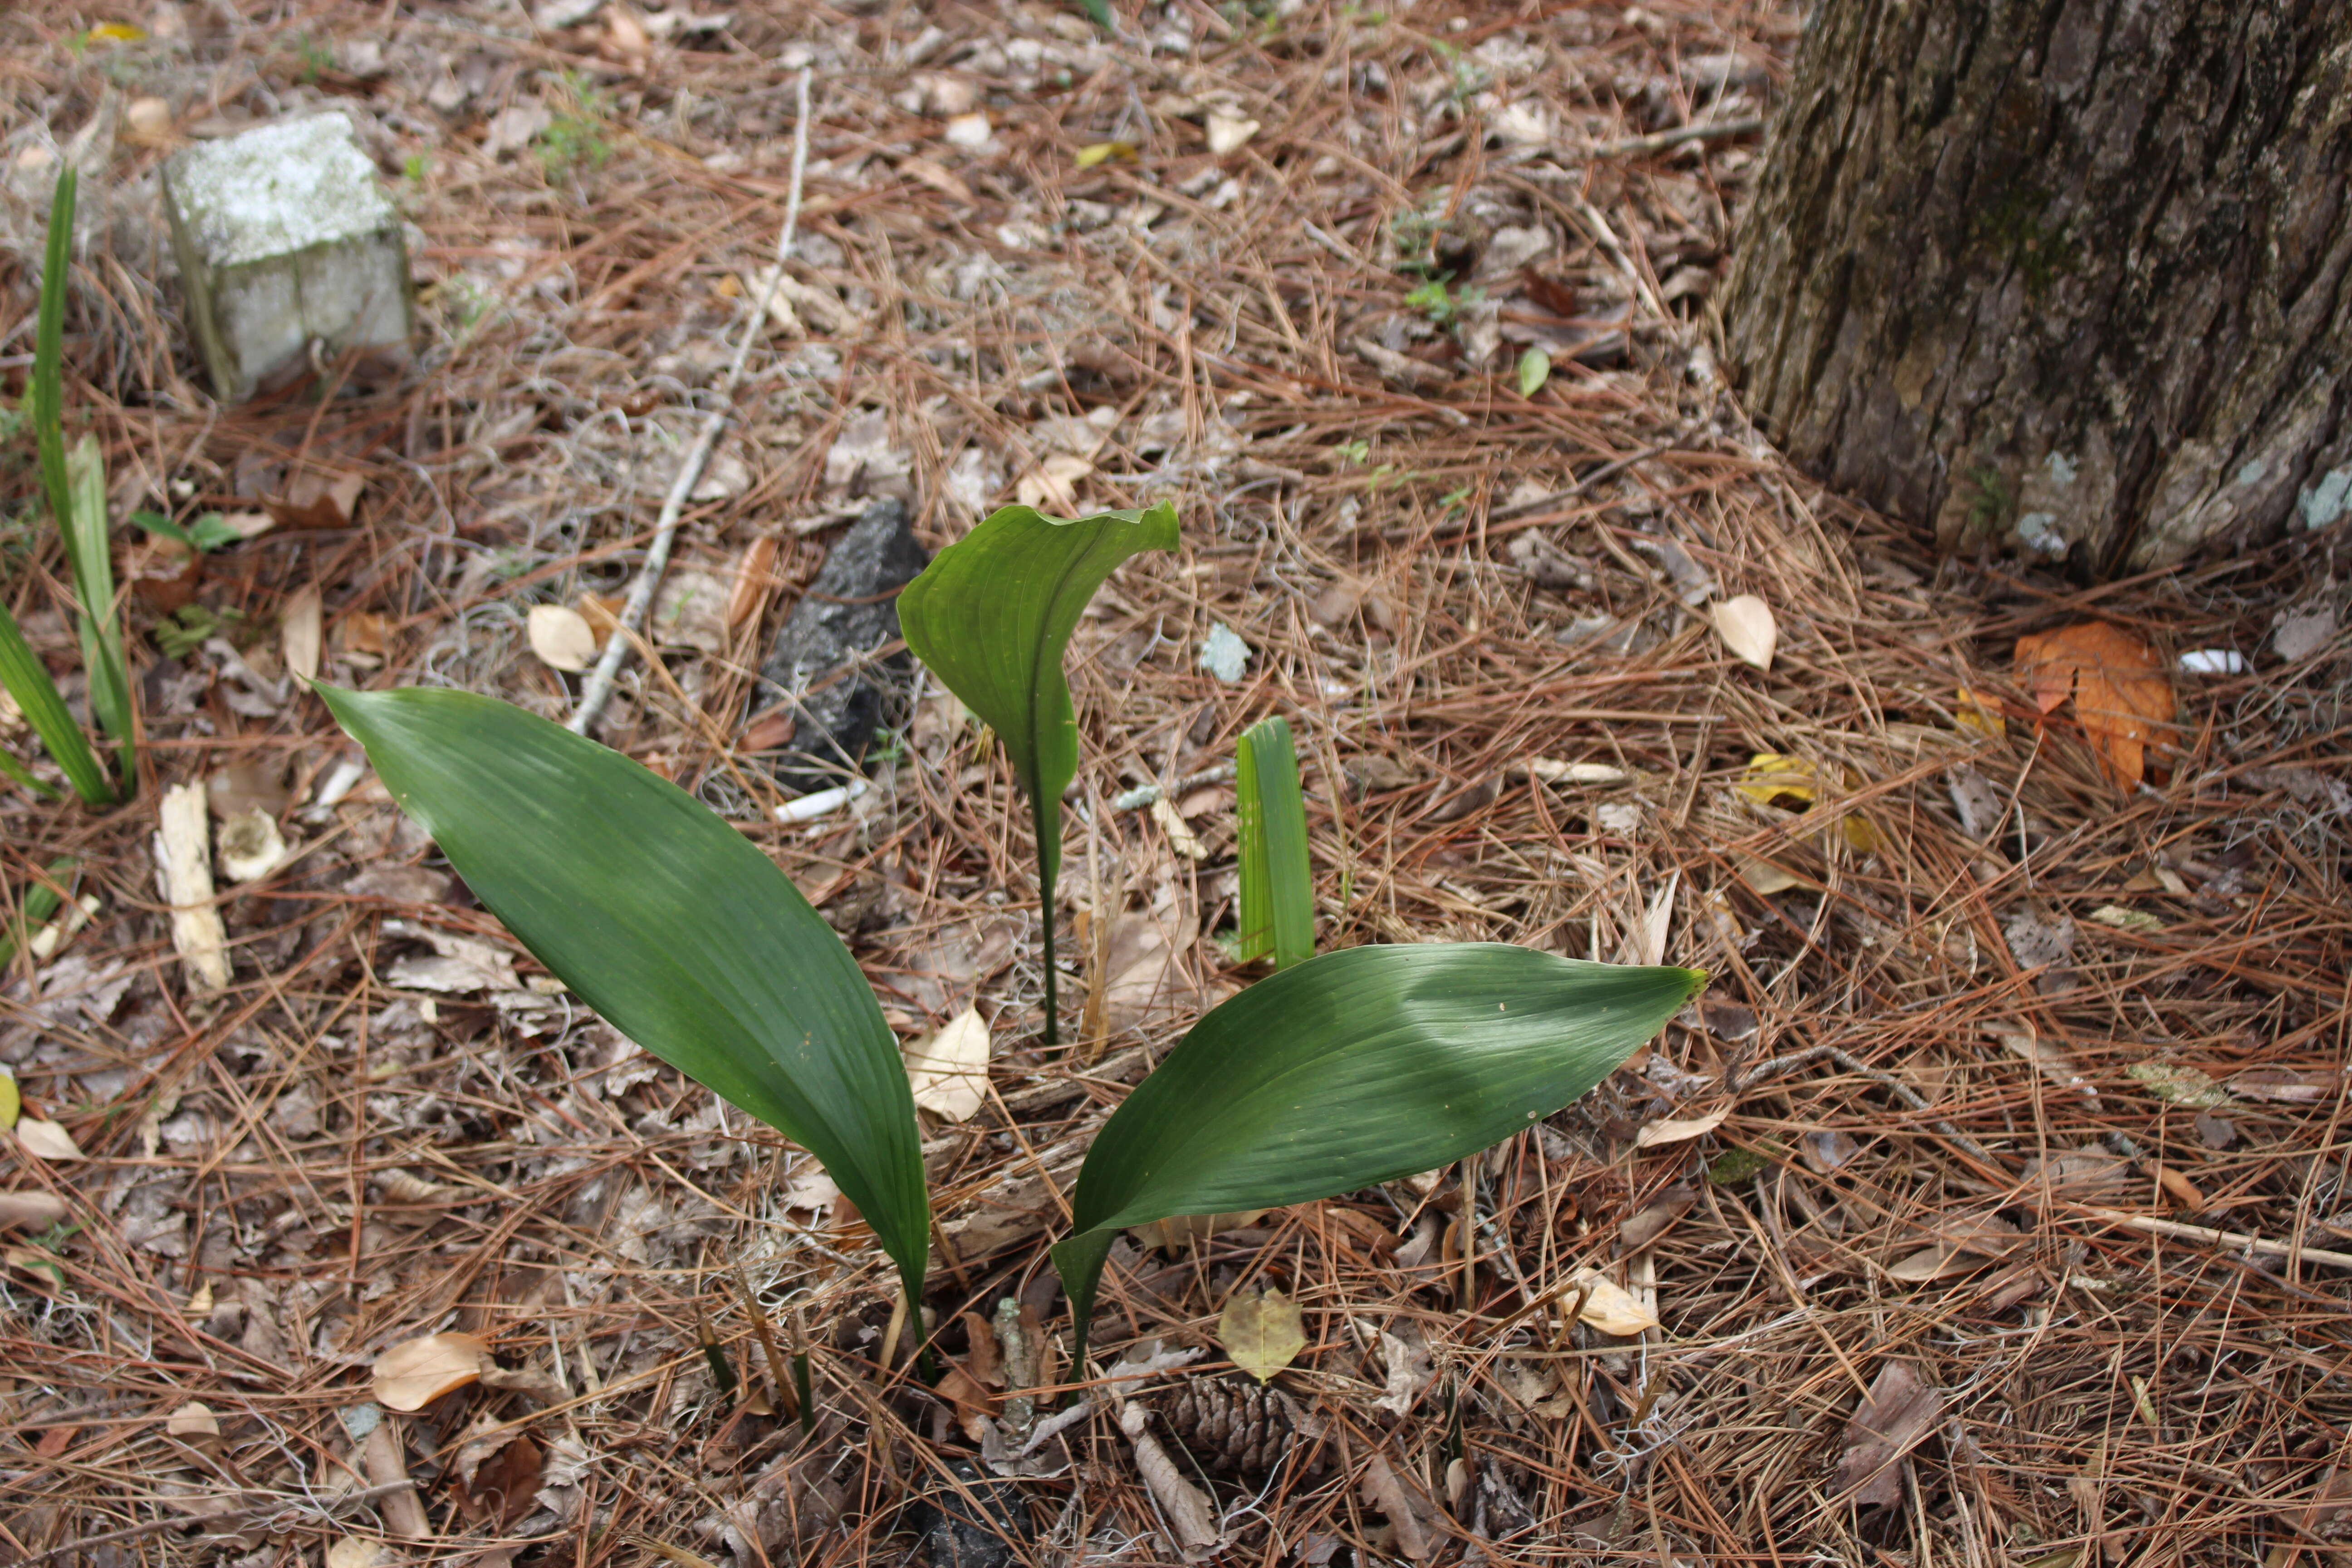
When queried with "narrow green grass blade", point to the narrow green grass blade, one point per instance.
{"points": [[18, 772], [669, 923], [992, 615], [1355, 1067], [100, 621], [1277, 883], [28, 680], [45, 395]]}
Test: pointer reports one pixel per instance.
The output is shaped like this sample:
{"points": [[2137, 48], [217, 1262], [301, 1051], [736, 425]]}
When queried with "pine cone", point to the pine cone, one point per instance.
{"points": [[1233, 1425]]}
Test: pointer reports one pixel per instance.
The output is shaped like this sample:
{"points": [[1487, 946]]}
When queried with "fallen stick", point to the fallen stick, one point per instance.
{"points": [[598, 689], [2211, 1238]]}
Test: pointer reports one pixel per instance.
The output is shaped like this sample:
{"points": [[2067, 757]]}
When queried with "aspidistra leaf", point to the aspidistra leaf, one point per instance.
{"points": [[992, 615], [669, 923], [1355, 1067], [1277, 883]]}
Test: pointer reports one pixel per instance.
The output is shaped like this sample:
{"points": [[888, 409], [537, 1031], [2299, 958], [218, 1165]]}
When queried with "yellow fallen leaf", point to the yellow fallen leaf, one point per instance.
{"points": [[949, 1071], [1261, 1331], [115, 32], [1106, 153], [1747, 629], [1657, 1135], [356, 1551], [194, 1419], [1610, 1308], [11, 1102], [1975, 711], [1772, 775], [414, 1373], [47, 1139]]}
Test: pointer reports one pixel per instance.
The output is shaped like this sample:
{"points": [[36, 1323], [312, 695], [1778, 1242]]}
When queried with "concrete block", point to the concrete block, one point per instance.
{"points": [[285, 237]]}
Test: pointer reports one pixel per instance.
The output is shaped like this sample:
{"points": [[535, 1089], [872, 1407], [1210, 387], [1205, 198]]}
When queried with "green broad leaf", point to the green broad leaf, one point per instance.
{"points": [[1355, 1067], [992, 615], [28, 680], [1278, 892], [100, 622], [1534, 369], [669, 923]]}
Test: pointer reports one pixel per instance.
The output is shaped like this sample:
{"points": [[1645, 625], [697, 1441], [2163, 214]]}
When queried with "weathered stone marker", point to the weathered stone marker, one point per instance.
{"points": [[285, 237]]}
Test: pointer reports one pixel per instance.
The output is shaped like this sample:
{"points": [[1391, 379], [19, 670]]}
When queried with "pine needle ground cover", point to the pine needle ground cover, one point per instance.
{"points": [[1987, 1207]]}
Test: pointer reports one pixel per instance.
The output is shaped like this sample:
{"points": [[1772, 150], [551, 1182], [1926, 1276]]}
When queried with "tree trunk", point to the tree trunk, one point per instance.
{"points": [[2072, 276]]}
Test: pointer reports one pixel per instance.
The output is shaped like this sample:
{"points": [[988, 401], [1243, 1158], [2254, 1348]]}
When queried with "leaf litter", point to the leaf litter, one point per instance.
{"points": [[324, 1157]]}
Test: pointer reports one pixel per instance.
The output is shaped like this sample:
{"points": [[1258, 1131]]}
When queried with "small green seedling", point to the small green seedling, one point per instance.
{"points": [[1278, 885], [203, 534], [992, 615]]}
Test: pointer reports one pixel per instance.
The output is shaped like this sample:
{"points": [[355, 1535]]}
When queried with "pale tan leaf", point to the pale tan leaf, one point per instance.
{"points": [[1959, 1246], [1229, 133], [1384, 1489], [1180, 837], [1657, 1135], [357, 1552], [561, 637], [1747, 629], [30, 1211], [414, 1373], [1610, 1308], [301, 631], [1261, 1331], [1185, 1507], [1169, 1235], [948, 1071], [47, 1139], [194, 1419], [1051, 485]]}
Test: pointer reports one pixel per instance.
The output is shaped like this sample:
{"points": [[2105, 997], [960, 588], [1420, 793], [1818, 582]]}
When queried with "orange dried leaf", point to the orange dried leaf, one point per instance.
{"points": [[2119, 686], [414, 1373]]}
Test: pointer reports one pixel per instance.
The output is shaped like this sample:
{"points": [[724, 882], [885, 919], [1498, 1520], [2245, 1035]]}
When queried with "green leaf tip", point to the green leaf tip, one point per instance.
{"points": [[1356, 1068], [668, 922], [991, 616]]}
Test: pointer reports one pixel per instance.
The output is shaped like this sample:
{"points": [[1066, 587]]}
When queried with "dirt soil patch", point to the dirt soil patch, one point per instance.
{"points": [[1991, 1206]]}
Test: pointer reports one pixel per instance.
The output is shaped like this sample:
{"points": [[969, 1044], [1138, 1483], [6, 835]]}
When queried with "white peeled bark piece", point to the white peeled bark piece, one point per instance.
{"points": [[185, 853]]}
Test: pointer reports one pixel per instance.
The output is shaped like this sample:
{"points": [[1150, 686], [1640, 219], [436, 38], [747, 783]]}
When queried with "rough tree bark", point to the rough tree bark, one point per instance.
{"points": [[2073, 275]]}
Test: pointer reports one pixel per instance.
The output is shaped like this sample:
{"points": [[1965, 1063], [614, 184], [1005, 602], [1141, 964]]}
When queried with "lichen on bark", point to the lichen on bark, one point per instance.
{"points": [[2072, 276]]}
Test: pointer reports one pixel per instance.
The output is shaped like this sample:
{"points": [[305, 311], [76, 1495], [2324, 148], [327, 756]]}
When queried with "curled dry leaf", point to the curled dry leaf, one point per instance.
{"points": [[1384, 1489], [949, 1071], [561, 637], [1747, 629], [357, 1552], [301, 631], [1229, 133], [1261, 1331], [1901, 1408], [2121, 691], [1185, 1507], [1961, 1245], [1180, 837], [414, 1373], [1610, 1306]]}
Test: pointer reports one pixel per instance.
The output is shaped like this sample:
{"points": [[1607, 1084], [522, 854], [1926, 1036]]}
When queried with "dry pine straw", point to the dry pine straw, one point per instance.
{"points": [[289, 1177]]}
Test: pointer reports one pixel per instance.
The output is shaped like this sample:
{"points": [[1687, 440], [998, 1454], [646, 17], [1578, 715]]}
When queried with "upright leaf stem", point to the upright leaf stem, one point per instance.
{"points": [[1045, 811]]}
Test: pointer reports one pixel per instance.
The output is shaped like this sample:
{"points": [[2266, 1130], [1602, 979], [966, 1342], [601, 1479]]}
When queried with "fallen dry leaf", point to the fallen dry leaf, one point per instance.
{"points": [[30, 1211], [1180, 837], [1960, 1247], [1610, 1306], [318, 500], [357, 1552], [1900, 1409], [754, 580], [194, 1419], [561, 637], [186, 857], [1051, 486], [301, 631], [2119, 686], [1408, 1371], [1384, 1489], [1169, 1235], [47, 1139], [414, 1373], [949, 1070], [363, 638], [1191, 1519], [1229, 133], [973, 1404], [1747, 629], [1657, 1135], [1261, 1331]]}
